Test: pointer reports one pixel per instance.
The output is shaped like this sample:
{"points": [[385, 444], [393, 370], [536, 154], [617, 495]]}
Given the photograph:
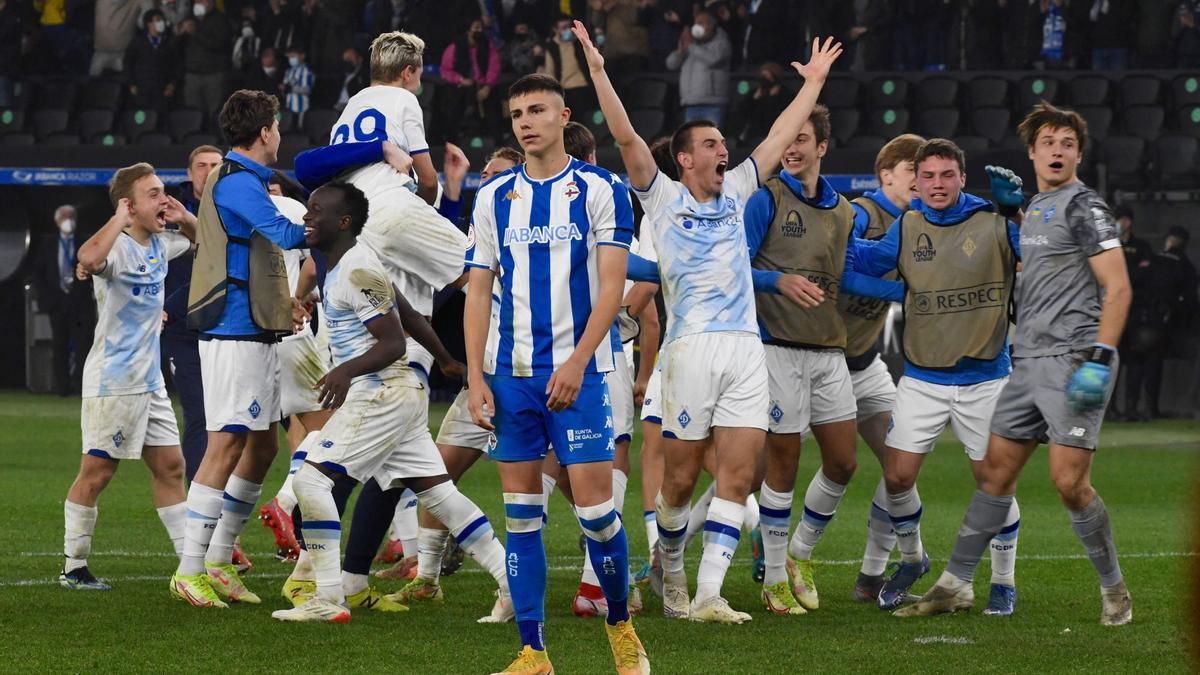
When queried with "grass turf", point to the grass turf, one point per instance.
{"points": [[1147, 474]]}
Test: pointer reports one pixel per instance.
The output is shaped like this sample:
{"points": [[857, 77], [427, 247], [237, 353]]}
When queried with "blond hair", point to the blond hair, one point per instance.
{"points": [[121, 185], [392, 52]]}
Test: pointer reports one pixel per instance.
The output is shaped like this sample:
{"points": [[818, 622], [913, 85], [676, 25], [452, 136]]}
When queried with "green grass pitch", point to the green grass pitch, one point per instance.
{"points": [[1146, 473]]}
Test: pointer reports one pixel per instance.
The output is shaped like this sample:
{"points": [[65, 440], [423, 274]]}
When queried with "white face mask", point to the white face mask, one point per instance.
{"points": [[159, 26], [67, 226], [698, 31], [269, 70], [199, 10], [247, 31], [293, 61]]}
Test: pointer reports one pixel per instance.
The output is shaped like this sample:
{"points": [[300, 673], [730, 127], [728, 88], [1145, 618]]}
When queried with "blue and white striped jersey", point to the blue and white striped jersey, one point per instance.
{"points": [[540, 237]]}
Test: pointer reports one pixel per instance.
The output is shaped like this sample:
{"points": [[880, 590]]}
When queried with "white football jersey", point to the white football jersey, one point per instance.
{"points": [[292, 258], [382, 112], [357, 291]]}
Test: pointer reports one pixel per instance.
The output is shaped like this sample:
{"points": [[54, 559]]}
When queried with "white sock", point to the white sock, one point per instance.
{"points": [[203, 511], [1004, 548], [619, 482], [286, 495], [469, 526], [589, 572], [948, 580], [721, 533], [672, 532], [405, 526], [820, 503], [651, 519], [303, 571], [238, 503], [752, 515], [431, 546], [699, 513], [905, 511], [354, 583], [80, 522], [774, 522], [322, 530], [174, 518], [548, 483], [881, 538]]}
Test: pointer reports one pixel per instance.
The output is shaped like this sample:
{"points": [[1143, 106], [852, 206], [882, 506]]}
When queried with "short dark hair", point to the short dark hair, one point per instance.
{"points": [[1045, 115], [149, 15], [681, 140], [660, 149], [245, 114], [355, 202], [579, 141], [534, 82], [941, 147], [200, 150], [822, 127]]}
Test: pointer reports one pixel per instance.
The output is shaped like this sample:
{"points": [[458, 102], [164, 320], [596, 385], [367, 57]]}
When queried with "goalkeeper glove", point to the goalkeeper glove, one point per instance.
{"points": [[1006, 187], [1089, 382]]}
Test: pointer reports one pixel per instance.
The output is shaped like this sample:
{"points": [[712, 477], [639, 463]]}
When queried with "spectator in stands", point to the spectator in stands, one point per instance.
{"points": [[733, 23], [1154, 18], [1174, 290], [329, 25], [667, 19], [1140, 336], [280, 26], [1185, 37], [471, 67], [11, 30], [627, 42], [702, 58], [247, 46], [116, 23], [523, 52], [565, 61], [1110, 34], [207, 59], [66, 299], [175, 11], [757, 110], [357, 76], [68, 45], [874, 34], [298, 83], [266, 76], [152, 64], [531, 13], [826, 18]]}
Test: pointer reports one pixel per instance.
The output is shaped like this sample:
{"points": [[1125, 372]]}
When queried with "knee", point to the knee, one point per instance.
{"points": [[170, 470], [898, 481], [840, 470], [1074, 491], [93, 481]]}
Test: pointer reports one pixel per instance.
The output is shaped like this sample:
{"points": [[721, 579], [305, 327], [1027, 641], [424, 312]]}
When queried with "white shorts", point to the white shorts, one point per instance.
{"points": [[419, 359], [620, 393], [923, 409], [408, 234], [381, 432], [118, 427], [241, 385], [874, 391], [652, 401], [713, 380], [808, 386], [460, 430], [304, 359]]}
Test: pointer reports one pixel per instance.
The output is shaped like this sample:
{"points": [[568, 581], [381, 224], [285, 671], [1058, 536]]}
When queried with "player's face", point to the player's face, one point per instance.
{"points": [[410, 78], [272, 143], [804, 154], [497, 165], [538, 119], [148, 204], [940, 182], [1055, 154], [202, 165], [900, 183], [707, 160], [323, 220]]}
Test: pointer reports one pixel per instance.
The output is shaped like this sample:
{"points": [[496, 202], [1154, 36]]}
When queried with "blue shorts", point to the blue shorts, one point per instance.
{"points": [[525, 427]]}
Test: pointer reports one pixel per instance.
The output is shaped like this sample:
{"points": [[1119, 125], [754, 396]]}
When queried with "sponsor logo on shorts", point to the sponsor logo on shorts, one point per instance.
{"points": [[924, 252], [1077, 432], [776, 413], [255, 409], [326, 443], [577, 437], [684, 418], [118, 438], [960, 299]]}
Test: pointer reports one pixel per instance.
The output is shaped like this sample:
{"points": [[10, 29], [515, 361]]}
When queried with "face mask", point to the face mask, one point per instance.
{"points": [[269, 70], [293, 61], [247, 31], [67, 226], [159, 26], [566, 35], [350, 67], [698, 31], [199, 10], [599, 40]]}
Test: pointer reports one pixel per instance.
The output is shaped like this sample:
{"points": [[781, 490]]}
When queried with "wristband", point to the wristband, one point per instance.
{"points": [[1101, 353]]}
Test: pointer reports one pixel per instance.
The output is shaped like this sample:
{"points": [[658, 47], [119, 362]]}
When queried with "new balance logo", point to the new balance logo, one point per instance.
{"points": [[1077, 432]]}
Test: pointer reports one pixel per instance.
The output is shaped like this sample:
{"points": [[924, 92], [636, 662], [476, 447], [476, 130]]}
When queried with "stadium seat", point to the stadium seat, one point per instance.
{"points": [[1187, 120], [1175, 158], [887, 92], [1185, 90], [101, 94], [845, 123], [971, 144], [840, 92], [192, 140], [134, 123], [1140, 90], [107, 139], [1084, 90], [22, 95], [1099, 120], [17, 139], [55, 95], [11, 121], [184, 121], [938, 122], [1037, 88], [296, 139], [867, 142], [991, 123], [1143, 121], [1011, 141], [287, 121], [61, 139], [1123, 157], [49, 121], [155, 139], [645, 92], [937, 92], [595, 122], [889, 122], [325, 92], [95, 122], [484, 145], [317, 123], [647, 123], [987, 91]]}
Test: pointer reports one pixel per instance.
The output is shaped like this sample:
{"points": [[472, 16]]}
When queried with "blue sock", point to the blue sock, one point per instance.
{"points": [[608, 549], [526, 561]]}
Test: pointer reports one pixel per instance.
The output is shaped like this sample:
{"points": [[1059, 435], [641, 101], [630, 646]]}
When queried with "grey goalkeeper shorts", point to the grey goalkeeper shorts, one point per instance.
{"points": [[1033, 405]]}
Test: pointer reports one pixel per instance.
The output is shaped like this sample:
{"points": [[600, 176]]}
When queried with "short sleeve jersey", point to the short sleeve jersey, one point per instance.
{"points": [[1058, 298], [541, 237], [124, 358], [357, 292], [382, 113], [702, 253]]}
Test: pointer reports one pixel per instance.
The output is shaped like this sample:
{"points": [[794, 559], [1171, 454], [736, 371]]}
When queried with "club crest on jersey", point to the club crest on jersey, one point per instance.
{"points": [[924, 252], [541, 234], [969, 247], [1049, 214], [571, 191], [471, 237]]}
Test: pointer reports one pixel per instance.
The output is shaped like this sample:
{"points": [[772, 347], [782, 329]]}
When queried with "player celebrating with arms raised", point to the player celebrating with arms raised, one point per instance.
{"points": [[1073, 296], [557, 231]]}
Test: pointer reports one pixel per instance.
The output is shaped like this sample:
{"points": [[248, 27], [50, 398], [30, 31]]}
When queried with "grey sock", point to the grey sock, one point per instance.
{"points": [[1091, 526], [984, 520]]}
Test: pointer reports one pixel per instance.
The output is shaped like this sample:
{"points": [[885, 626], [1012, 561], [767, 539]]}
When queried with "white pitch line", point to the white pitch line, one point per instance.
{"points": [[943, 639]]}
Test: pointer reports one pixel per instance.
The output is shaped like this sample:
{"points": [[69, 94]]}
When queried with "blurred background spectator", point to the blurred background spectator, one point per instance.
{"points": [[565, 61], [298, 83], [357, 76], [152, 64], [66, 299], [207, 58], [702, 59], [755, 112], [471, 66]]}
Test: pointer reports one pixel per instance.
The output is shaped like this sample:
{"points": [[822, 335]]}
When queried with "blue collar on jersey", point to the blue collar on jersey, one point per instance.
{"points": [[827, 197], [884, 203], [259, 170], [966, 206]]}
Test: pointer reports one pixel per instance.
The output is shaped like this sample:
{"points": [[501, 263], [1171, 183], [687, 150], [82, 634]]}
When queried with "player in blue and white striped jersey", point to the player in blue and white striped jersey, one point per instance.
{"points": [[557, 231]]}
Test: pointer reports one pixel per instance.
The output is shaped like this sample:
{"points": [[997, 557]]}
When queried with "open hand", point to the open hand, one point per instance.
{"points": [[481, 405], [823, 56], [397, 158], [800, 290], [332, 388], [595, 60], [563, 387]]}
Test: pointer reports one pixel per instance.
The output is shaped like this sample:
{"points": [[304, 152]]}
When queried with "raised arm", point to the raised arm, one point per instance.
{"points": [[787, 126], [93, 255], [635, 154]]}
